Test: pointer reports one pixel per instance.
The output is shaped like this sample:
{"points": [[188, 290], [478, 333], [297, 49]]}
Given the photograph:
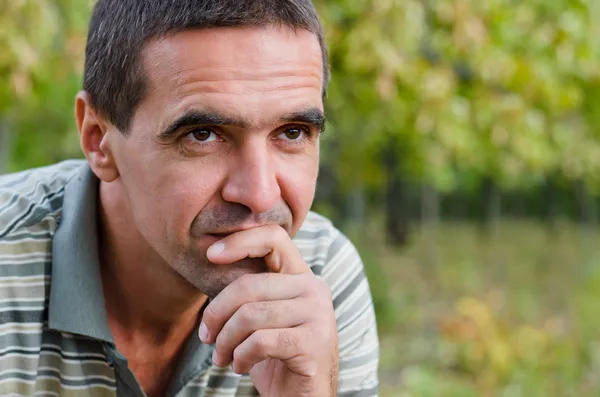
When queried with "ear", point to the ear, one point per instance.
{"points": [[93, 137]]}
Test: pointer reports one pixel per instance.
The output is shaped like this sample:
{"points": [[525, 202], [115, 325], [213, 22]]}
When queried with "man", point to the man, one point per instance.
{"points": [[181, 259]]}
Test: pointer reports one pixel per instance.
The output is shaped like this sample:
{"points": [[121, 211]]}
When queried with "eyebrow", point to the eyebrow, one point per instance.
{"points": [[312, 116]]}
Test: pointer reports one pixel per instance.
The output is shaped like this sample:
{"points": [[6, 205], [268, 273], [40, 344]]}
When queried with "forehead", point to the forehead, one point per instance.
{"points": [[237, 70]]}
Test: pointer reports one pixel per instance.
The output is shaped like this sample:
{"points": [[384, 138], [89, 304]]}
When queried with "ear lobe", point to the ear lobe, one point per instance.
{"points": [[93, 138]]}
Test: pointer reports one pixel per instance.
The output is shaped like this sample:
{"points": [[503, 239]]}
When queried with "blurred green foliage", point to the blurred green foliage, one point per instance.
{"points": [[466, 89]]}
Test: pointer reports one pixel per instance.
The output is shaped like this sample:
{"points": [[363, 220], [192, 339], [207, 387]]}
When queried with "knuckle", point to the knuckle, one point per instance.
{"points": [[312, 369], [326, 299], [261, 343], [240, 360], [209, 316], [306, 282], [274, 228], [271, 312], [317, 288], [279, 233], [322, 286], [237, 355], [247, 315], [221, 343], [323, 290], [245, 284]]}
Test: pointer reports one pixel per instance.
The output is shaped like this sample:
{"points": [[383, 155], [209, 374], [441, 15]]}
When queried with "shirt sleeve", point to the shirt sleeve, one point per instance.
{"points": [[355, 318]]}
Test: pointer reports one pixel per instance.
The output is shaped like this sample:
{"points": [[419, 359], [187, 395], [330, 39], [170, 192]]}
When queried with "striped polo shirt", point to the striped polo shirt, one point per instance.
{"points": [[54, 335]]}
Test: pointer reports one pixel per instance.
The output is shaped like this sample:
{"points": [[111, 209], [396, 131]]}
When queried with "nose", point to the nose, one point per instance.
{"points": [[252, 179]]}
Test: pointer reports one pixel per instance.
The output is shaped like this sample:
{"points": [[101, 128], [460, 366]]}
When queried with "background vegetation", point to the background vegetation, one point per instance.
{"points": [[462, 155]]}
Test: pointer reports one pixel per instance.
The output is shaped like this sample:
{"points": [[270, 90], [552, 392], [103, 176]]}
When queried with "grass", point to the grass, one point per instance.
{"points": [[467, 314]]}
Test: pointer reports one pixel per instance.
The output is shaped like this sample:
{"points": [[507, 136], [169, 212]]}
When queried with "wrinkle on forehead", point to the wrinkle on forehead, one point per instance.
{"points": [[274, 85], [234, 56]]}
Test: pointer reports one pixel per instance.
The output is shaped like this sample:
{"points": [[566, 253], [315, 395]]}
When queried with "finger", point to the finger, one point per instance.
{"points": [[281, 344], [254, 316], [270, 242], [247, 289]]}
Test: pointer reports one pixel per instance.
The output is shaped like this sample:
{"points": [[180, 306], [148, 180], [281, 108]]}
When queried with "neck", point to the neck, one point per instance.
{"points": [[145, 298]]}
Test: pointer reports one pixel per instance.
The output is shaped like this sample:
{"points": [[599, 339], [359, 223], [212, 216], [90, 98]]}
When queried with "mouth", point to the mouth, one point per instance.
{"points": [[218, 235], [224, 233]]}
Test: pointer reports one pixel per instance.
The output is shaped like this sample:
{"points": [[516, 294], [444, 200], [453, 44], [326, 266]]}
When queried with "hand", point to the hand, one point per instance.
{"points": [[278, 326]]}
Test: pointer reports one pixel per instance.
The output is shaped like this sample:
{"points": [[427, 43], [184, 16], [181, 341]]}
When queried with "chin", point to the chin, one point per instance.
{"points": [[213, 279]]}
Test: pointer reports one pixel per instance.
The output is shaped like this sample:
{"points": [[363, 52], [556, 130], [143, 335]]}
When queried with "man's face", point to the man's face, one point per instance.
{"points": [[225, 139]]}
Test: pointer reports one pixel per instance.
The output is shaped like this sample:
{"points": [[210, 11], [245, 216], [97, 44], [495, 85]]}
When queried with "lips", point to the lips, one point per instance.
{"points": [[219, 235], [223, 234]]}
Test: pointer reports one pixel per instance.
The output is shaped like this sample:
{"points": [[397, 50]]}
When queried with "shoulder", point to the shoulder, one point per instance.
{"points": [[30, 209], [329, 253], [32, 196], [320, 242]]}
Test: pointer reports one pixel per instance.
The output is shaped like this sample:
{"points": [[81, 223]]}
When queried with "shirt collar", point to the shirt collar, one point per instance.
{"points": [[76, 299]]}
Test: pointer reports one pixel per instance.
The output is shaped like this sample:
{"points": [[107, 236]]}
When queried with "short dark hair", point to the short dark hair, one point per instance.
{"points": [[114, 75]]}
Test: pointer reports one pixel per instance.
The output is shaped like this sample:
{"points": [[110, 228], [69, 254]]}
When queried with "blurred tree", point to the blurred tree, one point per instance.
{"points": [[500, 94], [42, 65]]}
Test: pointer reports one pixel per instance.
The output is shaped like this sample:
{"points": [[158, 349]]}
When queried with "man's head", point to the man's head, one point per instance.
{"points": [[202, 117]]}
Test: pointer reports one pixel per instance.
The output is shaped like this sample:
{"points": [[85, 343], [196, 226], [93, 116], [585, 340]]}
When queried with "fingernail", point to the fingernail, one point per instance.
{"points": [[215, 358], [216, 249], [203, 333]]}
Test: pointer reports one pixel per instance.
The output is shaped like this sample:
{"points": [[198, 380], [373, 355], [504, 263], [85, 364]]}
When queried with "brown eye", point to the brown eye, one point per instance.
{"points": [[202, 135], [293, 134]]}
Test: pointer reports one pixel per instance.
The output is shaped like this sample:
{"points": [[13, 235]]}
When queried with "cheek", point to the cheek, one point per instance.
{"points": [[297, 180], [184, 192], [167, 196]]}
